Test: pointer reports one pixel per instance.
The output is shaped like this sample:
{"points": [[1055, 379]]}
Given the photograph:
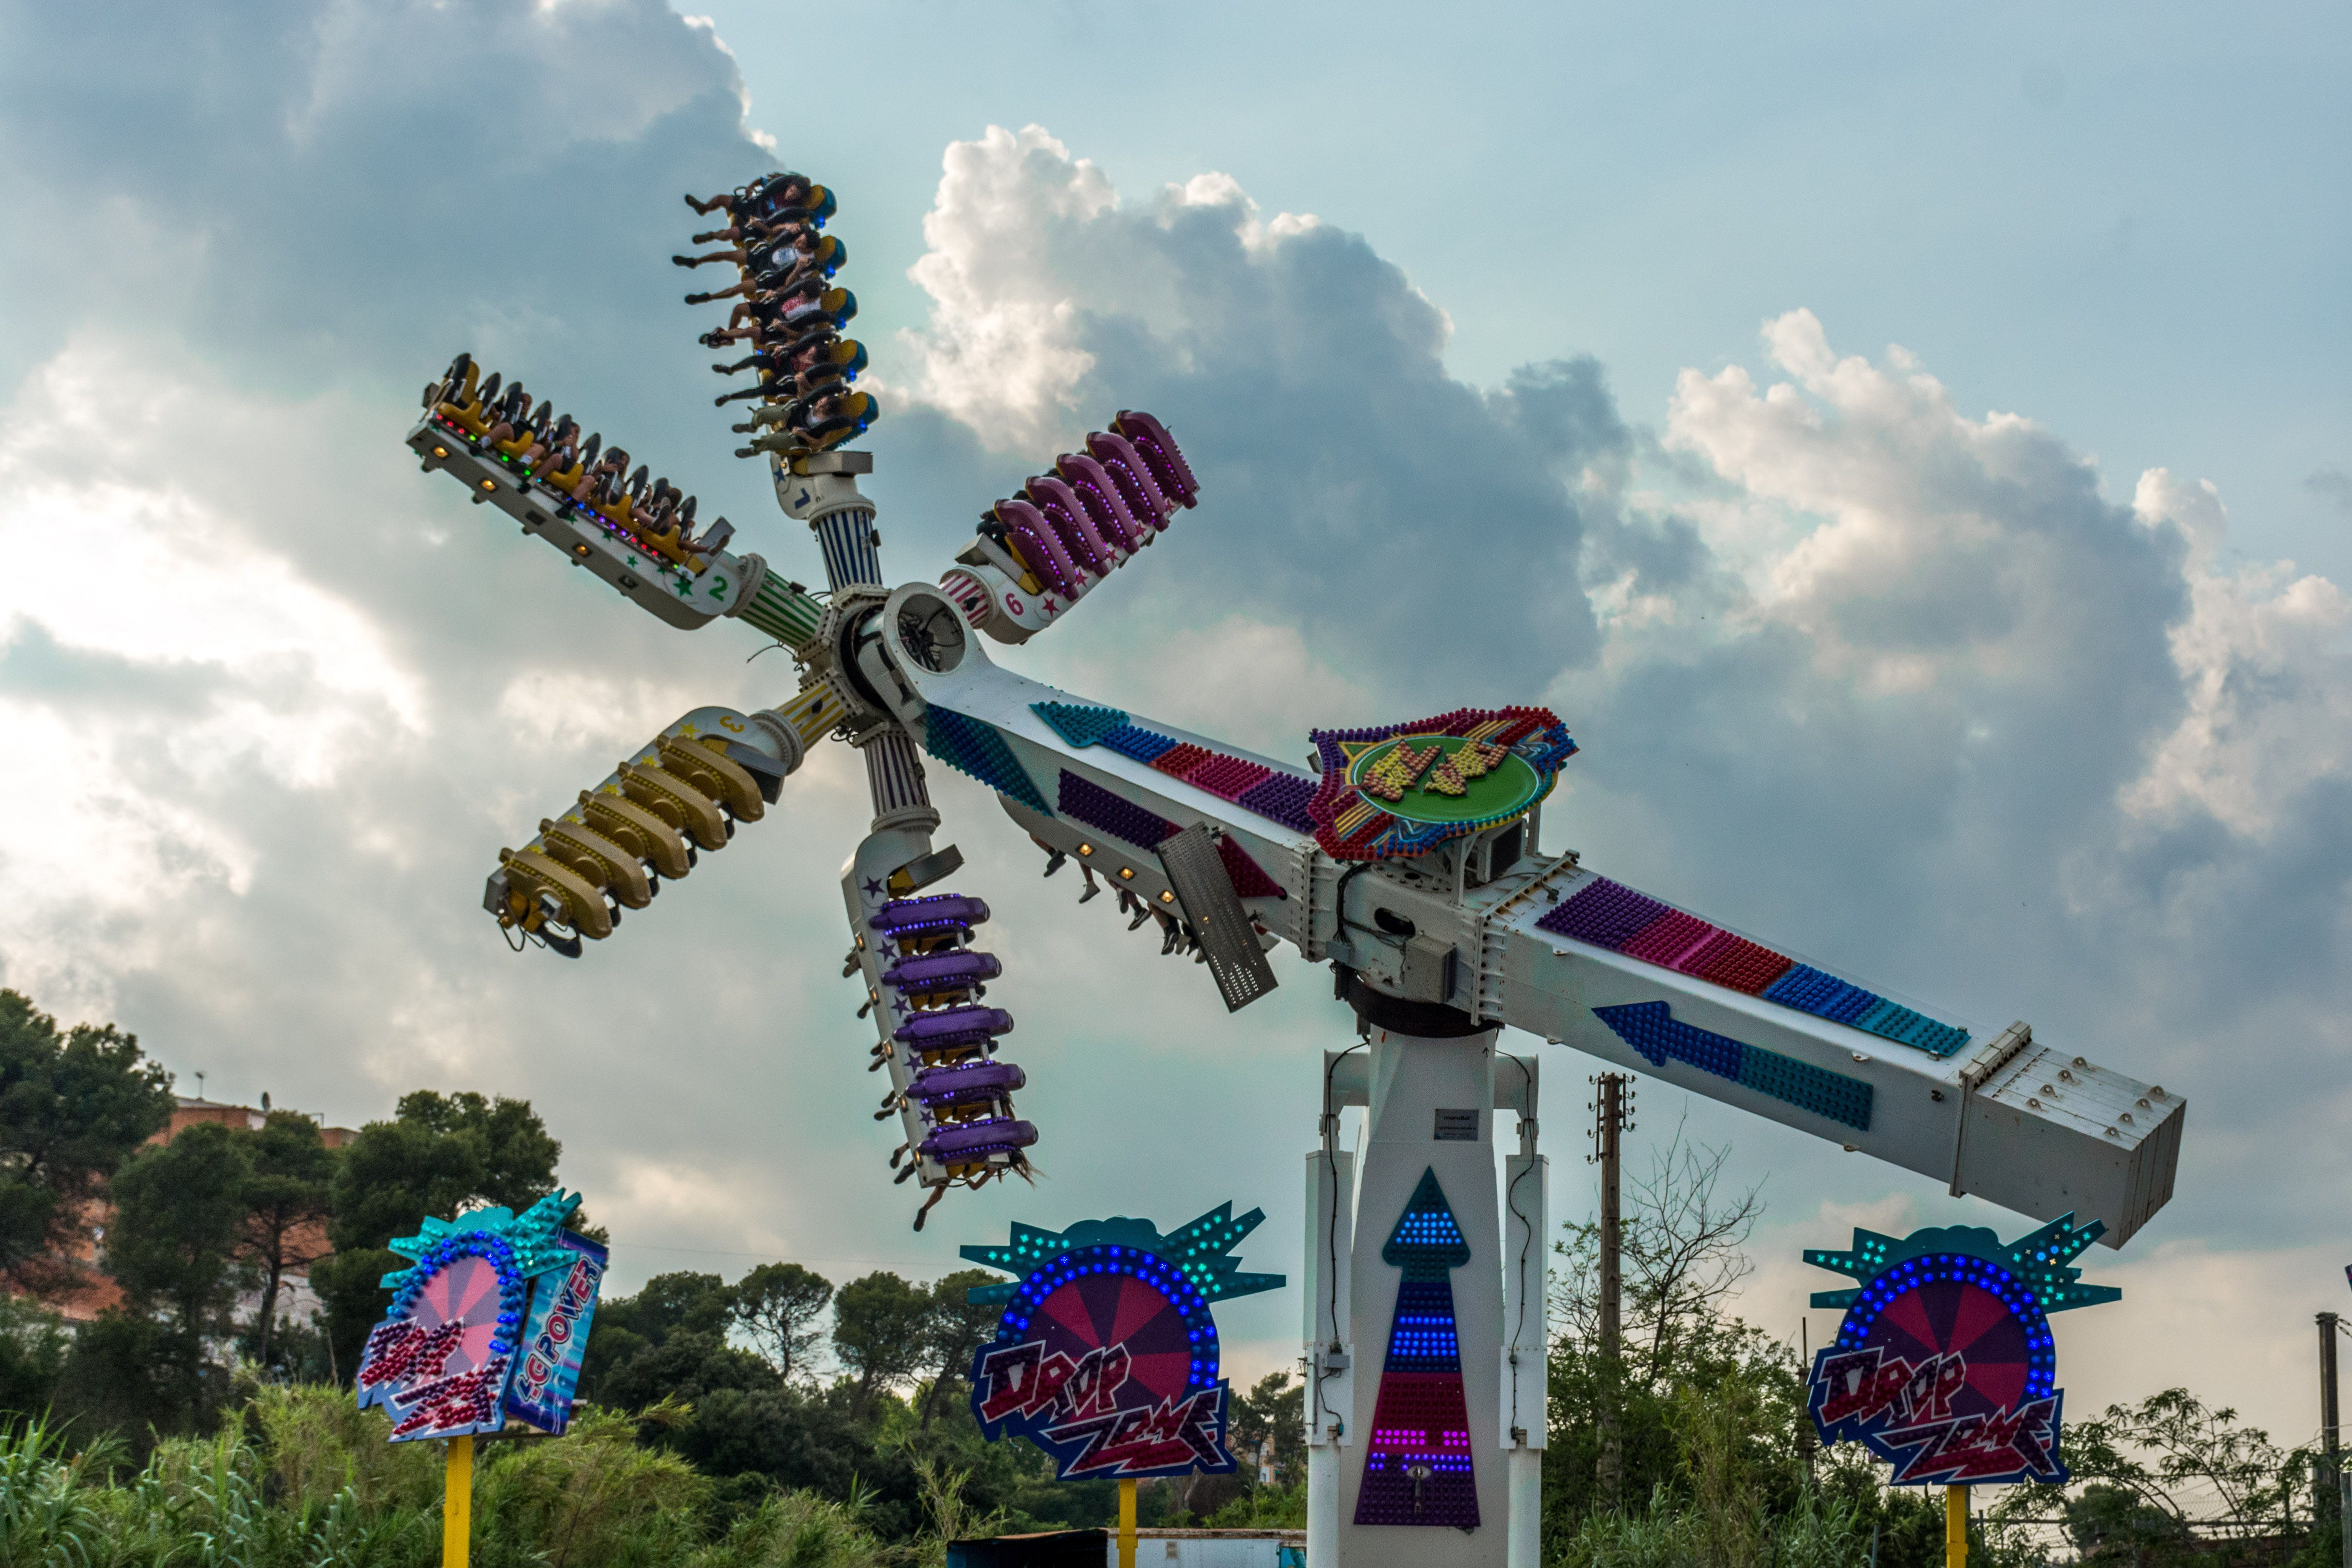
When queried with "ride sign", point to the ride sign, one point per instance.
{"points": [[555, 1337], [1106, 1356], [1945, 1366], [489, 1321]]}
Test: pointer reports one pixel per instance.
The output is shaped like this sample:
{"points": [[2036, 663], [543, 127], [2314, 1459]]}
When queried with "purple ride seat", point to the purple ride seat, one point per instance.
{"points": [[948, 1026], [937, 971], [940, 911], [963, 1085], [976, 1140], [1072, 523], [1158, 448], [1132, 476], [1039, 544], [1096, 491]]}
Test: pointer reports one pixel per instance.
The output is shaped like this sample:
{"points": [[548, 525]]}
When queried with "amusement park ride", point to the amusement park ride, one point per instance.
{"points": [[1405, 857]]}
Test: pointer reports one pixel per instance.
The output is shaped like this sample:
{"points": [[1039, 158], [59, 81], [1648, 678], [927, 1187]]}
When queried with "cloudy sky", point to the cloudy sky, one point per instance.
{"points": [[1913, 453]]}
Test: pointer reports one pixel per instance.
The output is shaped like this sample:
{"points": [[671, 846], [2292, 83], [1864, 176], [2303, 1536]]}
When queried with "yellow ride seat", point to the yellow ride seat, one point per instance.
{"points": [[466, 398], [669, 546], [583, 904], [637, 830], [597, 859], [675, 801], [702, 765]]}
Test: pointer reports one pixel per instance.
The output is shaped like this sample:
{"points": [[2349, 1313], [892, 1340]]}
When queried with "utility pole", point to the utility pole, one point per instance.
{"points": [[1809, 1442], [2329, 1499], [1611, 1107]]}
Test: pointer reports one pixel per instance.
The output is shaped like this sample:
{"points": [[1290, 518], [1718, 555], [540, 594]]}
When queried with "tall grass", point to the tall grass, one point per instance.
{"points": [[1817, 1534], [300, 1478], [44, 1510], [798, 1530], [590, 1498]]}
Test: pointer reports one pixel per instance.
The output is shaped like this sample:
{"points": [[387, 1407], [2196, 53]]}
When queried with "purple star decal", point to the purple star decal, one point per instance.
{"points": [[873, 888]]}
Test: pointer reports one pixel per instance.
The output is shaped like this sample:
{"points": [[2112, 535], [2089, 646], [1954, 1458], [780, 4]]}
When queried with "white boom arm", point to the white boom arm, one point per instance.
{"points": [[2023, 1124]]}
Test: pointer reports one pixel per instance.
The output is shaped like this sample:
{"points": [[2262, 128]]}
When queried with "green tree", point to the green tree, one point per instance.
{"points": [[73, 1106], [781, 1307], [287, 1202], [175, 1245], [1267, 1427], [516, 1153], [438, 1154], [2171, 1479], [952, 1330], [670, 1339], [697, 1303], [880, 1331], [32, 1352], [1683, 1256], [124, 1375]]}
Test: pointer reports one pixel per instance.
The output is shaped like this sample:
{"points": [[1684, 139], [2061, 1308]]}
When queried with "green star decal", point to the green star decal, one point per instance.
{"points": [[532, 1234], [1203, 1250], [2039, 1260]]}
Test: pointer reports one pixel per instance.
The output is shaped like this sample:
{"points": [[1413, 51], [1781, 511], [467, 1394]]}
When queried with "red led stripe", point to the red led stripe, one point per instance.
{"points": [[1664, 940], [1745, 966], [1699, 956], [1182, 759]]}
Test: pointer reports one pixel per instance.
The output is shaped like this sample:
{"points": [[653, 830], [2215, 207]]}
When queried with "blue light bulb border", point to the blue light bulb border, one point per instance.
{"points": [[514, 1288], [1066, 1267], [1962, 1268]]}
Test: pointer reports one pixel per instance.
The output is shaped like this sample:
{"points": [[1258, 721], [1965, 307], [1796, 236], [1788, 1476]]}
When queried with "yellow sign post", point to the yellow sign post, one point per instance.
{"points": [[458, 1503], [1956, 1527], [1126, 1525]]}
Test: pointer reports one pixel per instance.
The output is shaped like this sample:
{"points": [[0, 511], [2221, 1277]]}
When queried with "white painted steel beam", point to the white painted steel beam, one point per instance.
{"points": [[2025, 1124]]}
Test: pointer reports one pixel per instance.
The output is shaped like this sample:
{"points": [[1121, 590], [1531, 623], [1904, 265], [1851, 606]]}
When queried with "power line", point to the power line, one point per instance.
{"points": [[770, 1254]]}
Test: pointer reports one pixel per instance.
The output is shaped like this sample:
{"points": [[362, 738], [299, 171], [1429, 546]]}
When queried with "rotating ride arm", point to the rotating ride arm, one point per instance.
{"points": [[562, 488], [1044, 548], [686, 790], [681, 793]]}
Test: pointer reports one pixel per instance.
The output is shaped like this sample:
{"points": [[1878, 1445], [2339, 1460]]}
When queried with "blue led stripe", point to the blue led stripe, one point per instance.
{"points": [[1143, 745], [1651, 1028], [1808, 990]]}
